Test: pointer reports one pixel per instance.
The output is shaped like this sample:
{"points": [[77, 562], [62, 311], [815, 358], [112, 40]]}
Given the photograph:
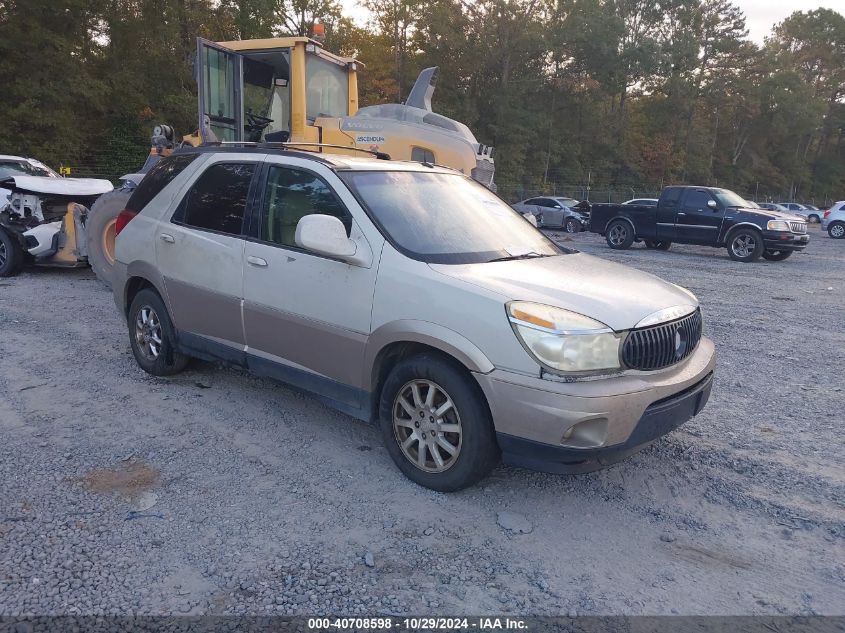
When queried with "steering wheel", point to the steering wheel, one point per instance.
{"points": [[255, 124]]}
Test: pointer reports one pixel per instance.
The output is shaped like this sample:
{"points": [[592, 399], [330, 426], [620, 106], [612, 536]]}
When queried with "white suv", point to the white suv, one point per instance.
{"points": [[408, 295], [834, 220]]}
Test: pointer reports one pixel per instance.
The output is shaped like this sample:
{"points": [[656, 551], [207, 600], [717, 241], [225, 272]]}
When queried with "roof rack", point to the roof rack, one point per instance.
{"points": [[294, 145]]}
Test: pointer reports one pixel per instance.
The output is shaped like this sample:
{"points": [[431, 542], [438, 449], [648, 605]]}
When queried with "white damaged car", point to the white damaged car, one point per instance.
{"points": [[42, 215]]}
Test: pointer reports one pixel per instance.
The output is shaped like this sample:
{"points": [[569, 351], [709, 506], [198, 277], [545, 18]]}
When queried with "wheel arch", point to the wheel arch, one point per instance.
{"points": [[623, 218], [140, 275], [737, 226], [396, 342]]}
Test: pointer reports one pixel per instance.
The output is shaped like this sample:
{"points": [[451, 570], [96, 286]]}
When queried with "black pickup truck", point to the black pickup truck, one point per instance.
{"points": [[702, 215]]}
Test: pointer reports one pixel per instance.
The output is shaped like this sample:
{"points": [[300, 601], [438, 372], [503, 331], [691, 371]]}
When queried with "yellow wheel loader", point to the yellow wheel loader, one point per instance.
{"points": [[291, 91]]}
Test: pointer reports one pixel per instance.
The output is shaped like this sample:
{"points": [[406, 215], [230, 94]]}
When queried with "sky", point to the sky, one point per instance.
{"points": [[760, 15]]}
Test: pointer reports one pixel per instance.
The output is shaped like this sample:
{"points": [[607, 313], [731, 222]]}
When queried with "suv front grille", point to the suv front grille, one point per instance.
{"points": [[798, 227], [663, 345]]}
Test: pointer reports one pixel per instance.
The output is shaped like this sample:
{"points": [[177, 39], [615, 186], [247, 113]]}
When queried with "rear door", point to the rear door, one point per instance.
{"points": [[200, 250], [220, 91], [697, 221]]}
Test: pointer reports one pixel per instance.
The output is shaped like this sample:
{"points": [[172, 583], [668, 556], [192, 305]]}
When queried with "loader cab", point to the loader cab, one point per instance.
{"points": [[271, 90]]}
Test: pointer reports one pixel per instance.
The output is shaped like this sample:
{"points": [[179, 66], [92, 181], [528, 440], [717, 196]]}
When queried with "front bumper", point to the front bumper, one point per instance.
{"points": [[534, 418], [781, 241]]}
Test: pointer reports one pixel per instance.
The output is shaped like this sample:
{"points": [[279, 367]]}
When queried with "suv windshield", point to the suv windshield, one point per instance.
{"points": [[728, 198], [445, 218], [10, 168]]}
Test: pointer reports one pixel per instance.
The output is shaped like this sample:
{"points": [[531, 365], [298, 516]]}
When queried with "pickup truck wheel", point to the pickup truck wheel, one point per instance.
{"points": [[745, 245], [436, 425], [660, 245], [573, 226], [776, 256], [11, 254], [836, 230], [619, 235]]}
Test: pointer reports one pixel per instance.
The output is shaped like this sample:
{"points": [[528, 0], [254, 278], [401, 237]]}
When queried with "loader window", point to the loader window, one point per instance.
{"points": [[327, 89], [217, 200]]}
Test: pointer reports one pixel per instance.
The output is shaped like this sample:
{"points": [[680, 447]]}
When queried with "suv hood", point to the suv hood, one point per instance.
{"points": [[616, 295]]}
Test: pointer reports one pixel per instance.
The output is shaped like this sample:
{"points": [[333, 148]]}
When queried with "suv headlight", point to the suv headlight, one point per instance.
{"points": [[777, 225], [562, 340]]}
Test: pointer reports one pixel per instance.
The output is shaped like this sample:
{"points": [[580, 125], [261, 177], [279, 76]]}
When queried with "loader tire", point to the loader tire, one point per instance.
{"points": [[99, 229]]}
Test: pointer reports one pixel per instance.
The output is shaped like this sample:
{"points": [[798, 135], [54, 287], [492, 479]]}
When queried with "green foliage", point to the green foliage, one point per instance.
{"points": [[617, 94]]}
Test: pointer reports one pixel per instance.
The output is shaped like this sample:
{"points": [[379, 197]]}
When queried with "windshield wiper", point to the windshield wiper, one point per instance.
{"points": [[531, 255]]}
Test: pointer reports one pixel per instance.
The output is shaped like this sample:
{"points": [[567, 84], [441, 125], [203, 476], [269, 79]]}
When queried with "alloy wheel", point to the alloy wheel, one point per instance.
{"points": [[427, 426], [743, 245], [837, 231], [148, 332], [618, 234]]}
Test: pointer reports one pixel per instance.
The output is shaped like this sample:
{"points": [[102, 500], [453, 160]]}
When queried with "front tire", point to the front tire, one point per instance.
{"points": [[660, 245], [836, 230], [620, 235], [152, 336], [99, 231], [573, 226], [745, 245], [813, 219], [436, 425], [776, 256], [11, 254]]}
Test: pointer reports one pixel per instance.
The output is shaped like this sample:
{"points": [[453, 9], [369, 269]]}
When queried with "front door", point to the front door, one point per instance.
{"points": [[697, 221], [220, 92], [307, 314], [200, 251]]}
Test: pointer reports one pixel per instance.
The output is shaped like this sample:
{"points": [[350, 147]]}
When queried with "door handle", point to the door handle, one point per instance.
{"points": [[166, 237], [256, 261], [681, 213]]}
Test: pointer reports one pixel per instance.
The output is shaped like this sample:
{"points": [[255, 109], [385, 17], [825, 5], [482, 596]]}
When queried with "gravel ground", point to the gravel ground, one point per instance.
{"points": [[217, 492]]}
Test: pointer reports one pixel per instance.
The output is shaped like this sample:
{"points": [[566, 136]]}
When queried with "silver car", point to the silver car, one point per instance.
{"points": [[410, 296], [555, 212], [834, 220]]}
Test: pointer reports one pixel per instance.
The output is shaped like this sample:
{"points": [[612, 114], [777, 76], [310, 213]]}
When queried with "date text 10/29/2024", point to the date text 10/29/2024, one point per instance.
{"points": [[417, 624]]}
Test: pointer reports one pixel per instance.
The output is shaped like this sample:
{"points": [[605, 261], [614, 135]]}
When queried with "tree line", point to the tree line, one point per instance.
{"points": [[623, 95]]}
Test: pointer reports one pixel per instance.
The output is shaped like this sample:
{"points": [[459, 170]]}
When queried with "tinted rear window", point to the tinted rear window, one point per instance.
{"points": [[217, 201], [161, 175]]}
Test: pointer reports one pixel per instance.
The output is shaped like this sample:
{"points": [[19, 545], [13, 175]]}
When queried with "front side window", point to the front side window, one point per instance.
{"points": [[445, 218], [217, 200], [697, 199], [326, 89], [291, 195]]}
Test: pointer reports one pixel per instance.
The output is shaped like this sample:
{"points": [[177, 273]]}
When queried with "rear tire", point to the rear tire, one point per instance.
{"points": [[836, 230], [152, 335], [619, 235], [745, 245], [573, 226], [11, 254], [776, 256], [99, 230], [813, 219], [463, 449]]}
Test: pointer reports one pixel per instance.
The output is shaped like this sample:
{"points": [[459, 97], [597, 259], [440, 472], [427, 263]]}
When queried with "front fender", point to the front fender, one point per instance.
{"points": [[430, 334]]}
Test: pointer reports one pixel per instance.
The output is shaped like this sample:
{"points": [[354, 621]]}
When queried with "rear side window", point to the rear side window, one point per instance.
{"points": [[671, 197], [161, 175], [217, 200]]}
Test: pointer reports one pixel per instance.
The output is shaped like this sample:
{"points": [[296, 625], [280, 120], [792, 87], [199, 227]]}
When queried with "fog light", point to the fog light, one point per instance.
{"points": [[587, 434]]}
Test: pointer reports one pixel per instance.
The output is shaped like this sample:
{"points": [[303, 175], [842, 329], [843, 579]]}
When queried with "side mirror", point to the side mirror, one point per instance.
{"points": [[325, 235], [712, 204]]}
